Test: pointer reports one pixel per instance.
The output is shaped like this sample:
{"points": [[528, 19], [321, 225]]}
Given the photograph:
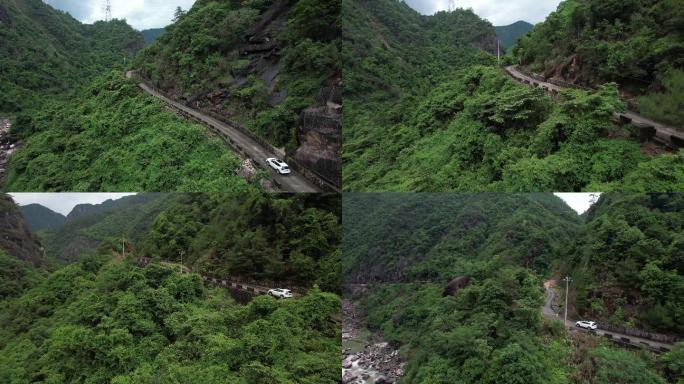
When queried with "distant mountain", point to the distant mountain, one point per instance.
{"points": [[88, 225], [39, 217], [509, 34], [82, 210], [15, 237], [151, 35]]}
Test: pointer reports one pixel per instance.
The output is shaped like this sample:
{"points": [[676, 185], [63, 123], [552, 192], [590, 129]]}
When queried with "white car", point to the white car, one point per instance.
{"points": [[280, 293], [586, 324], [279, 165]]}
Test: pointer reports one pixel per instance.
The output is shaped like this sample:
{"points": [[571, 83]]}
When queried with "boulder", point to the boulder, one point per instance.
{"points": [[455, 285]]}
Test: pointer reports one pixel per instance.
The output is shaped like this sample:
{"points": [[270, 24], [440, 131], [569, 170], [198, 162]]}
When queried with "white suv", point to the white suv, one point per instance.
{"points": [[280, 293], [586, 324], [279, 165]]}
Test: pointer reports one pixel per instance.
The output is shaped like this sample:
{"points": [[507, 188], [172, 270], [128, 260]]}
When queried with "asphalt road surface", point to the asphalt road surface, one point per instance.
{"points": [[294, 182]]}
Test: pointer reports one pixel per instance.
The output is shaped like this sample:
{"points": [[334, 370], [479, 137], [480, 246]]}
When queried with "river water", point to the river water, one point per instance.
{"points": [[366, 358]]}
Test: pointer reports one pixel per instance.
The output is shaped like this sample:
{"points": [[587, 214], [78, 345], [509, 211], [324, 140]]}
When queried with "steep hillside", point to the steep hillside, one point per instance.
{"points": [[403, 237], [628, 267], [291, 239], [636, 43], [105, 321], [427, 110], [15, 237], [508, 35], [113, 137], [270, 66], [40, 218], [87, 229], [151, 35], [44, 51], [487, 327]]}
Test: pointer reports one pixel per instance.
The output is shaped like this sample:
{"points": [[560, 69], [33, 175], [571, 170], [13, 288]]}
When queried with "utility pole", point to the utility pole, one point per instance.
{"points": [[182, 252], [567, 280], [498, 52], [123, 247]]}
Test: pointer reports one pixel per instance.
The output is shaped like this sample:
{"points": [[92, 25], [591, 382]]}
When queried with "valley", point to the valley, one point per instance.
{"points": [[170, 287], [454, 121], [83, 127], [465, 290]]}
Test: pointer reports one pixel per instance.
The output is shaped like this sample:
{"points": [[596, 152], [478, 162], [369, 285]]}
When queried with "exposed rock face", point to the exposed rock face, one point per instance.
{"points": [[15, 237], [4, 16], [320, 136], [456, 285]]}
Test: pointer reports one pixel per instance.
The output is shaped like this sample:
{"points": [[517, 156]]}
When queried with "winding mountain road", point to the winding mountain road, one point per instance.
{"points": [[667, 135], [548, 311], [246, 146]]}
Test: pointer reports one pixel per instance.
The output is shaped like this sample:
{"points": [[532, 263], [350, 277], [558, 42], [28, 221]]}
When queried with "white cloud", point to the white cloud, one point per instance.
{"points": [[64, 202], [498, 12], [141, 14], [580, 202]]}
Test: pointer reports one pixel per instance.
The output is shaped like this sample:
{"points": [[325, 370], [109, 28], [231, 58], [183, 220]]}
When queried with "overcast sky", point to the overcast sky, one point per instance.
{"points": [[141, 14], [498, 12], [580, 202], [64, 202]]}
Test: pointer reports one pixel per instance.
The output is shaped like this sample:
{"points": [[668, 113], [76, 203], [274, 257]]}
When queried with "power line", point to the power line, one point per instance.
{"points": [[108, 10]]}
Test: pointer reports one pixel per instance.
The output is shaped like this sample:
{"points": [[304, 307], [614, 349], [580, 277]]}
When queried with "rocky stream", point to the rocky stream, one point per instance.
{"points": [[366, 358]]}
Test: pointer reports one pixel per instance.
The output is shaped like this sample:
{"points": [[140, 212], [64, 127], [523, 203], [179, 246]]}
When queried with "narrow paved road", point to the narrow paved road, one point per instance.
{"points": [[672, 135], [548, 312], [294, 182]]}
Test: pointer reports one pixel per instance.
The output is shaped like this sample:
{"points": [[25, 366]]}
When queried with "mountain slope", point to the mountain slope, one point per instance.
{"points": [[487, 328], [151, 35], [110, 321], [15, 237], [428, 110], [380, 244], [636, 43], [44, 51], [627, 266], [509, 34], [88, 229], [269, 66], [40, 218]]}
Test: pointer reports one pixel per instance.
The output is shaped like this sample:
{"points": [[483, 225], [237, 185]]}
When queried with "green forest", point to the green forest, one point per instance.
{"points": [[83, 127], [102, 318], [636, 43], [427, 109], [203, 52], [492, 330]]}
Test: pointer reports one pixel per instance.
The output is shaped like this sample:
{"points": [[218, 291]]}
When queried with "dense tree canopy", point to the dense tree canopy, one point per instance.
{"points": [[100, 321]]}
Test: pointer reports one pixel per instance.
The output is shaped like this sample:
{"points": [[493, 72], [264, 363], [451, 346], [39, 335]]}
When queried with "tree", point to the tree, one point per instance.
{"points": [[178, 14]]}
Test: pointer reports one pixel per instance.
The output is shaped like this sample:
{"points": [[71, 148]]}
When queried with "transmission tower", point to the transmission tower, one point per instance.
{"points": [[452, 5], [108, 10]]}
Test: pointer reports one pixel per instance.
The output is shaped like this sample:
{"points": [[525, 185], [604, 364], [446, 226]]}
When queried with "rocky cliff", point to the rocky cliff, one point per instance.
{"points": [[15, 237]]}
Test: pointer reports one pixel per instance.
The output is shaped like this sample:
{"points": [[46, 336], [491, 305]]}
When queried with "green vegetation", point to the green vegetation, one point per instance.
{"points": [[287, 239], [492, 330], [46, 52], [426, 110], [39, 218], [628, 267], [509, 34], [205, 51], [292, 239], [84, 127], [103, 321], [112, 137], [636, 43]]}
